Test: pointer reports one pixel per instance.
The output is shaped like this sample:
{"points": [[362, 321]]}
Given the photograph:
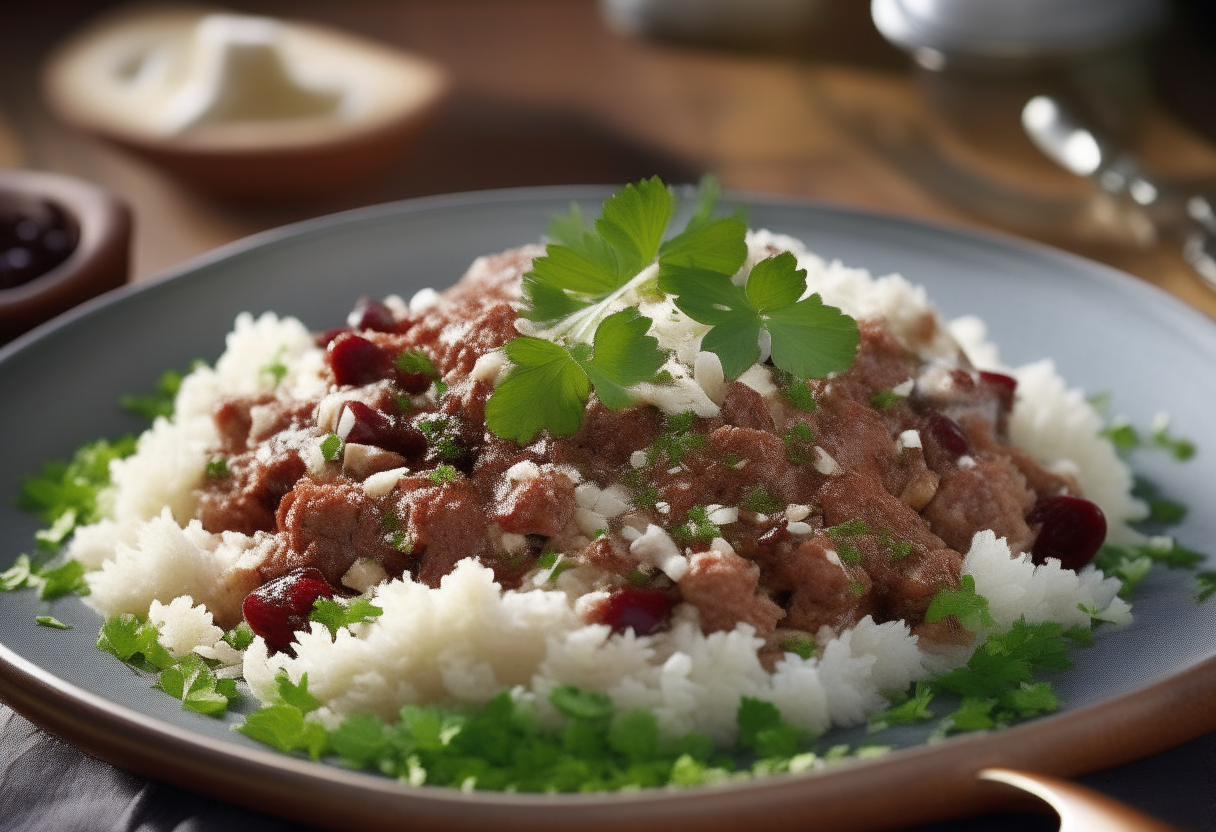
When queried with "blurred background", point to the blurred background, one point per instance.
{"points": [[912, 107], [798, 97]]}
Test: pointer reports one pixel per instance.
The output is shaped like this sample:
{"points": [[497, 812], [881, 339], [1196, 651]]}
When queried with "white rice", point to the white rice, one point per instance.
{"points": [[467, 640]]}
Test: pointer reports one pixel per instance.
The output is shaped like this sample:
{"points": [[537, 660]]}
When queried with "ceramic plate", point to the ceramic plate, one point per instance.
{"points": [[1137, 691]]}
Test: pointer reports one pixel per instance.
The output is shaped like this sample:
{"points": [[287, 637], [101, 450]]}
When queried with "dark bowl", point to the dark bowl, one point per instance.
{"points": [[101, 225]]}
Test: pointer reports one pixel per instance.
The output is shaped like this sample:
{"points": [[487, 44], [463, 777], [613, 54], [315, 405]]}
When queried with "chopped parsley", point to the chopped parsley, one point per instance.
{"points": [[331, 447], [134, 641], [800, 646], [158, 403], [884, 400], [198, 688], [64, 494], [443, 474], [964, 603], [799, 443], [51, 582], [337, 614], [416, 362], [696, 527], [762, 500], [1124, 436], [556, 563], [217, 468], [52, 622], [276, 369], [442, 437], [501, 746], [1131, 564], [905, 709], [795, 390], [1205, 586]]}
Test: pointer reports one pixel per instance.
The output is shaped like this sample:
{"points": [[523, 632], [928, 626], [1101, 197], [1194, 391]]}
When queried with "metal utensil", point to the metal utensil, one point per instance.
{"points": [[1068, 139], [1080, 809]]}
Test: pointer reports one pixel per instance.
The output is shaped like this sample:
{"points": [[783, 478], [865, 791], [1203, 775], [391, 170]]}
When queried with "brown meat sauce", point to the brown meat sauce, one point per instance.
{"points": [[909, 512]]}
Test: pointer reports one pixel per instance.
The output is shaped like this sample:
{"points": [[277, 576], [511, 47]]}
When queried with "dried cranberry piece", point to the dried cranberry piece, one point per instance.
{"points": [[371, 314], [362, 424], [414, 383], [1005, 386], [356, 360], [1072, 530], [642, 610], [278, 608], [962, 379], [323, 339], [949, 434]]}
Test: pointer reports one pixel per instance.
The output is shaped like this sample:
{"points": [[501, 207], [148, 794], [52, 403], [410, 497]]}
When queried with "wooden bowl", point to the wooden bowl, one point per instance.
{"points": [[98, 263], [88, 83]]}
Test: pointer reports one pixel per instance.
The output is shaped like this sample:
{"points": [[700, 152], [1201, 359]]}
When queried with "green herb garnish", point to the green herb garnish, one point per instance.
{"points": [[52, 622], [964, 603], [443, 474], [160, 401], [193, 682], [217, 468], [331, 447], [416, 362], [809, 339], [337, 614], [550, 383], [65, 495], [582, 345]]}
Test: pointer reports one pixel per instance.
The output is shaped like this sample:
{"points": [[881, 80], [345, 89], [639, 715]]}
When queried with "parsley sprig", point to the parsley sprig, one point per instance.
{"points": [[583, 341], [808, 339]]}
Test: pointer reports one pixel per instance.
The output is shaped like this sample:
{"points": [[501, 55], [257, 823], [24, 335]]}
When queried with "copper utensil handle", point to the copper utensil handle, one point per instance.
{"points": [[1080, 809]]}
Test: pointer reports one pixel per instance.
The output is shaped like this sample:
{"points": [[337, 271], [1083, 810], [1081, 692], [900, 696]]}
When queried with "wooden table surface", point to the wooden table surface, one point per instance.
{"points": [[545, 94]]}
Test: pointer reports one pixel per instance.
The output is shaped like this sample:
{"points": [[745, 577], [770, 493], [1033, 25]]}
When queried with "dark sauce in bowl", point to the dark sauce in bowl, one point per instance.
{"points": [[36, 235]]}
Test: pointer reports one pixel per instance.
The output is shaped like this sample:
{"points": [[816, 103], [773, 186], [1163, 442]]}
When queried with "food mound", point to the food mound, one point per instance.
{"points": [[622, 487]]}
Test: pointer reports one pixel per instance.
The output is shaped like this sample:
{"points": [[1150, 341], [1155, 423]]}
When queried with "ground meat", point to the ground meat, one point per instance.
{"points": [[991, 494], [446, 525], [725, 588], [543, 505], [820, 590], [328, 526], [832, 510], [245, 498], [745, 408]]}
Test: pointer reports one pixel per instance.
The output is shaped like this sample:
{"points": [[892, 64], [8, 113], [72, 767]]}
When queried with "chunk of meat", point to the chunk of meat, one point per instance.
{"points": [[745, 408], [447, 525], [245, 498], [542, 505], [823, 591], [992, 494], [327, 526], [725, 588]]}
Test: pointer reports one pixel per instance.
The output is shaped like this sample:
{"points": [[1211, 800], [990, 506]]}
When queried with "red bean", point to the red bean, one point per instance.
{"points": [[362, 424], [949, 434], [356, 360], [1071, 529], [642, 610], [371, 314], [1004, 386], [278, 608]]}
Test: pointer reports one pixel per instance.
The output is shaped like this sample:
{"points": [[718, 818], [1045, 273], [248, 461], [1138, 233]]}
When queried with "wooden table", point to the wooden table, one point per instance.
{"points": [[546, 94]]}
